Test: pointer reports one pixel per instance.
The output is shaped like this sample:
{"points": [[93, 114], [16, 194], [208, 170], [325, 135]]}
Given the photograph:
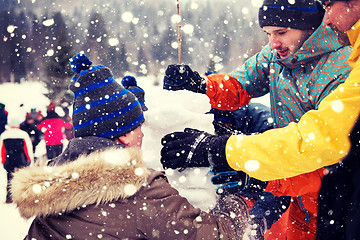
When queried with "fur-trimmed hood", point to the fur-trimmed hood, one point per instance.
{"points": [[102, 175]]}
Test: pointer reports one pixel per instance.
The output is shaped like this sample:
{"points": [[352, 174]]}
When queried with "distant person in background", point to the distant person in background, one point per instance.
{"points": [[53, 127], [69, 132], [3, 117], [29, 126], [129, 83], [16, 151]]}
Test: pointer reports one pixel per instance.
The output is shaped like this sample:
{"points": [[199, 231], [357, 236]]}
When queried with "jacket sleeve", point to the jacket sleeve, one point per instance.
{"points": [[225, 92], [320, 138], [2, 151], [298, 185], [174, 217]]}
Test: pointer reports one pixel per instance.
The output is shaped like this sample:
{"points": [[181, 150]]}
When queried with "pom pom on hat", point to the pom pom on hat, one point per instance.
{"points": [[128, 81], [80, 62]]}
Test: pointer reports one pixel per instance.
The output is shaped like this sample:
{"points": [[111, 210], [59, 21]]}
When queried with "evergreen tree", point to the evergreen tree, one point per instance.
{"points": [[97, 40], [123, 62], [5, 49], [142, 61], [18, 46], [58, 67]]}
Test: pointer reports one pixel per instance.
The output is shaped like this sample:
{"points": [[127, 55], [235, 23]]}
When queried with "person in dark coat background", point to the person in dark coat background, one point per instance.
{"points": [[34, 133], [99, 187], [130, 83], [15, 152], [3, 117]]}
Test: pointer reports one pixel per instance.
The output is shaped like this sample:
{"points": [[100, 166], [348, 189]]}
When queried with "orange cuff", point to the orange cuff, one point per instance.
{"points": [[225, 92]]}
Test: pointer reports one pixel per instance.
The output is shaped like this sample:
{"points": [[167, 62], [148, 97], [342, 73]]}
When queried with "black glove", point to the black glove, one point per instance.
{"points": [[193, 148], [236, 182], [180, 77], [230, 182]]}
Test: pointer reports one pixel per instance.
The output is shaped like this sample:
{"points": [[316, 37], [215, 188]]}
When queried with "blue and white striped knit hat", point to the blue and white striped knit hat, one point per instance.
{"points": [[129, 82], [102, 107]]}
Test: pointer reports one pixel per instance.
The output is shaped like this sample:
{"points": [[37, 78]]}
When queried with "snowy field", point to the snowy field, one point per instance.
{"points": [[168, 112]]}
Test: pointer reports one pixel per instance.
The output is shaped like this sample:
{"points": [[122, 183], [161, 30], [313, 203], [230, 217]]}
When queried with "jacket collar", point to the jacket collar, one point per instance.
{"points": [[354, 37], [322, 41], [102, 176]]}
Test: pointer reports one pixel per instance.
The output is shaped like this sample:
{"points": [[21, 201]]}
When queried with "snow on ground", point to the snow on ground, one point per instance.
{"points": [[168, 112]]}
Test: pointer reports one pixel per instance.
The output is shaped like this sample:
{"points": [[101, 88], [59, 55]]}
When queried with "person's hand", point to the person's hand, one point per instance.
{"points": [[192, 148], [256, 229], [230, 182], [181, 77], [236, 182]]}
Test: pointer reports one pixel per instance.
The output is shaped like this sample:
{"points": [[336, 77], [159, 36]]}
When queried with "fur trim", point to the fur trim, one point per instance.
{"points": [[101, 177]]}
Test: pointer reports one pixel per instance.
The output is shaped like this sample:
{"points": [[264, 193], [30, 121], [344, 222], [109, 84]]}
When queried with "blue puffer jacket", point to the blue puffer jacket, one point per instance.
{"points": [[298, 83]]}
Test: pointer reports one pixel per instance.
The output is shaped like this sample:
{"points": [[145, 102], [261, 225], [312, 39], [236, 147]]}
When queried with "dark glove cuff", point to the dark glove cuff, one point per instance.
{"points": [[202, 84], [216, 154], [255, 185]]}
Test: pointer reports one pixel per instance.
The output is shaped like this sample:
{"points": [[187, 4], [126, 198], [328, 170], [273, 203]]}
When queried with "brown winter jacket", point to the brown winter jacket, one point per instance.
{"points": [[109, 194]]}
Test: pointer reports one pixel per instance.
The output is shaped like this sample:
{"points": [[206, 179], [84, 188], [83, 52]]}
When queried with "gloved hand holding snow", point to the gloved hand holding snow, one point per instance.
{"points": [[181, 77], [193, 148]]}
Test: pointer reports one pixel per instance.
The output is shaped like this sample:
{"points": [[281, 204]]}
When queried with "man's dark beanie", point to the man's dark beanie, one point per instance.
{"points": [[102, 107], [295, 14]]}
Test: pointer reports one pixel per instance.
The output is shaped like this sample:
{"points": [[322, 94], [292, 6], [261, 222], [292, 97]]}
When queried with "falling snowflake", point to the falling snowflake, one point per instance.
{"points": [[337, 106], [36, 188], [130, 189], [252, 165]]}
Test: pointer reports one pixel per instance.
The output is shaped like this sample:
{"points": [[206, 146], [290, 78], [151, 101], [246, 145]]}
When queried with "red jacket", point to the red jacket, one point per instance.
{"points": [[304, 190], [54, 130]]}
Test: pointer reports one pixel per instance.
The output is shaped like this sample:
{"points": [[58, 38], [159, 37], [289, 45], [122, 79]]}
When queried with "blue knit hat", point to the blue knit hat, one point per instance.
{"points": [[102, 107], [129, 82]]}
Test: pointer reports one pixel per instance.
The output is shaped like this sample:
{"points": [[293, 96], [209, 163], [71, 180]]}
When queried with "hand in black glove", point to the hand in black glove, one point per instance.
{"points": [[236, 182], [193, 148], [230, 182], [180, 77]]}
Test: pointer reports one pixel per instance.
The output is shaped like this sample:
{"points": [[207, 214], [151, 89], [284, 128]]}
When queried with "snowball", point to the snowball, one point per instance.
{"points": [[49, 22], [188, 28], [36, 188], [127, 17], [337, 106], [75, 175], [11, 28], [50, 52], [311, 136], [175, 19], [252, 165], [130, 189], [113, 42], [139, 171], [182, 179]]}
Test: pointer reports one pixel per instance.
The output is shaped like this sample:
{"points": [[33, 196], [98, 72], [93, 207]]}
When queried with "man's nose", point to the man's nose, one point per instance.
{"points": [[275, 43]]}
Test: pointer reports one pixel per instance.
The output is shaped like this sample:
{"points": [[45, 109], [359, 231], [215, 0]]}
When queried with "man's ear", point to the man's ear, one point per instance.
{"points": [[122, 140]]}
